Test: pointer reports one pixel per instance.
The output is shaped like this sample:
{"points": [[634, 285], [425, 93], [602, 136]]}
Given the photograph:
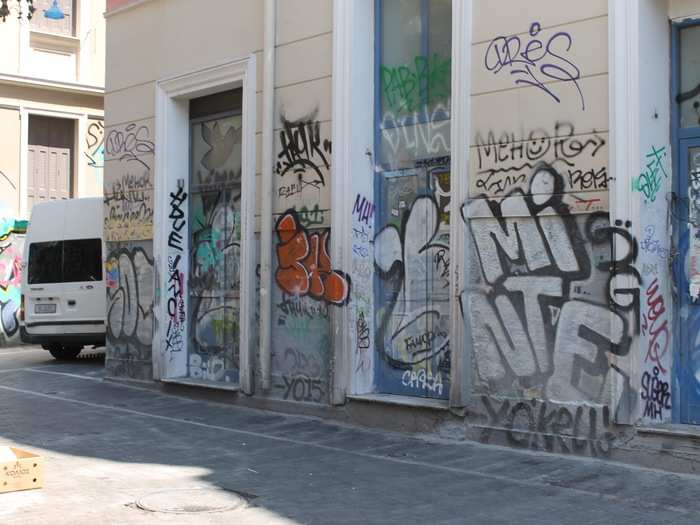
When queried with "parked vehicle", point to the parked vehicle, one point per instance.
{"points": [[63, 287]]}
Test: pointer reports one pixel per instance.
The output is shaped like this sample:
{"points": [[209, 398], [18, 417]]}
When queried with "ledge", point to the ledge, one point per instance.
{"points": [[673, 430], [53, 85], [407, 401], [54, 42], [231, 387]]}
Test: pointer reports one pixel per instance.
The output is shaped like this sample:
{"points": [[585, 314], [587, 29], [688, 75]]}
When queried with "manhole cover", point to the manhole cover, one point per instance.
{"points": [[191, 501]]}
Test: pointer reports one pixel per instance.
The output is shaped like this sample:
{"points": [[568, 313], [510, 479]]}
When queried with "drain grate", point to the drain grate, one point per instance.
{"points": [[192, 501]]}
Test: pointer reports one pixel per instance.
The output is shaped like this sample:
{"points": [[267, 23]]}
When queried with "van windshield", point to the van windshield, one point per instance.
{"points": [[70, 261]]}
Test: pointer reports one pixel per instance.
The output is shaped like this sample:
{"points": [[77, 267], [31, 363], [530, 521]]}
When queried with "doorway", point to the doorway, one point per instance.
{"points": [[215, 237], [686, 130]]}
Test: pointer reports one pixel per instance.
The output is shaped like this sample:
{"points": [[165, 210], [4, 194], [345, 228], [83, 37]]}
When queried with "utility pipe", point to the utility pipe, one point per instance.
{"points": [[268, 127]]}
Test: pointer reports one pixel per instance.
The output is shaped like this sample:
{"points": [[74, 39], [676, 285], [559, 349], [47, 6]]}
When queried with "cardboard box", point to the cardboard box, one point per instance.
{"points": [[20, 470]]}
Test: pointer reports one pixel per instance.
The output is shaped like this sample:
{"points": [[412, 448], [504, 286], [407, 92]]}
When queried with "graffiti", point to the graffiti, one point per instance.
{"points": [[305, 265], [302, 388], [556, 306], [690, 95], [409, 87], [414, 327], [292, 305], [505, 161], [649, 269], [129, 280], [216, 240], [363, 208], [129, 204], [303, 154], [440, 179], [311, 217], [296, 362], [648, 183], [176, 306], [128, 185], [94, 144], [221, 145], [11, 245], [300, 371], [215, 251], [651, 245], [536, 61], [177, 218], [405, 138], [534, 425], [694, 193], [656, 325], [423, 379], [656, 395], [129, 143], [176, 278], [362, 342]]}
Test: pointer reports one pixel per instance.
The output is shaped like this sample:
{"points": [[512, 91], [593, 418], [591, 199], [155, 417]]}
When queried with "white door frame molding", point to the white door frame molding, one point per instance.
{"points": [[172, 172]]}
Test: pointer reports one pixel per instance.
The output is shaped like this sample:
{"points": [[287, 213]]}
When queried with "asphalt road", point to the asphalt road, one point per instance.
{"points": [[111, 449]]}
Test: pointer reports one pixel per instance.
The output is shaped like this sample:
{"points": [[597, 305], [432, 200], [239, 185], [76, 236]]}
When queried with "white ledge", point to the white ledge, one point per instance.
{"points": [[53, 85], [54, 42]]}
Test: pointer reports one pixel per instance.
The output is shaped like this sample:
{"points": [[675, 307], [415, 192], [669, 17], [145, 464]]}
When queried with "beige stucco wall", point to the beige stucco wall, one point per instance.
{"points": [[9, 162], [189, 39], [681, 9], [539, 159]]}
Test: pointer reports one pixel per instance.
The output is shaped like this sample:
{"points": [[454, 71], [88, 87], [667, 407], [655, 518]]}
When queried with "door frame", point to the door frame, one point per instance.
{"points": [[172, 124], [684, 372], [679, 395]]}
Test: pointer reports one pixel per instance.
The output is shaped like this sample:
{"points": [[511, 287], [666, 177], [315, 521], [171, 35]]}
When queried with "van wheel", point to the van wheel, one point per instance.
{"points": [[64, 353]]}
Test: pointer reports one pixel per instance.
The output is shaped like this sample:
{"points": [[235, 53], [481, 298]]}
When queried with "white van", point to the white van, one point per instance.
{"points": [[63, 288]]}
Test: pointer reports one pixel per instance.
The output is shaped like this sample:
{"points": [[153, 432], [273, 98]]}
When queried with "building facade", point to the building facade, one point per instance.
{"points": [[51, 123], [480, 209]]}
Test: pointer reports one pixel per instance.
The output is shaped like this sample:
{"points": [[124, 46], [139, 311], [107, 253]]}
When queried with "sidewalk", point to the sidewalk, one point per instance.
{"points": [[107, 445]]}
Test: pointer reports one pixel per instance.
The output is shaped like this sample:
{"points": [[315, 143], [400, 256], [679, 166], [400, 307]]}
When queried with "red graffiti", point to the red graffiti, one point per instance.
{"points": [[304, 263], [658, 332]]}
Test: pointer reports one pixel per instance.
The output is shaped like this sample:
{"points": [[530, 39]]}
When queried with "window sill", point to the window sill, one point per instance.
{"points": [[231, 387], [54, 42], [407, 401]]}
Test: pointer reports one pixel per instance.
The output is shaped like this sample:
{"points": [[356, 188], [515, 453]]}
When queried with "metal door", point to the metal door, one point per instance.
{"points": [[688, 374], [215, 240], [412, 283]]}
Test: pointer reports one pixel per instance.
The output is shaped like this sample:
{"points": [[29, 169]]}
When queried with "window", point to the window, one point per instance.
{"points": [[689, 97], [413, 83], [65, 261], [50, 157], [65, 26]]}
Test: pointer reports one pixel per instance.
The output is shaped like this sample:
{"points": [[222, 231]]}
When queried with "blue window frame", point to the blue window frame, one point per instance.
{"points": [[424, 97], [413, 49], [685, 135]]}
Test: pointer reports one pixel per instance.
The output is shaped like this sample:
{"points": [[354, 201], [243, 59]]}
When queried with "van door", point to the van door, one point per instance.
{"points": [[84, 295], [84, 300], [43, 294]]}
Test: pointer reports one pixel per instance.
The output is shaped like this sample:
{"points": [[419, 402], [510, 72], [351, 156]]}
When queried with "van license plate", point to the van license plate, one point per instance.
{"points": [[45, 308]]}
